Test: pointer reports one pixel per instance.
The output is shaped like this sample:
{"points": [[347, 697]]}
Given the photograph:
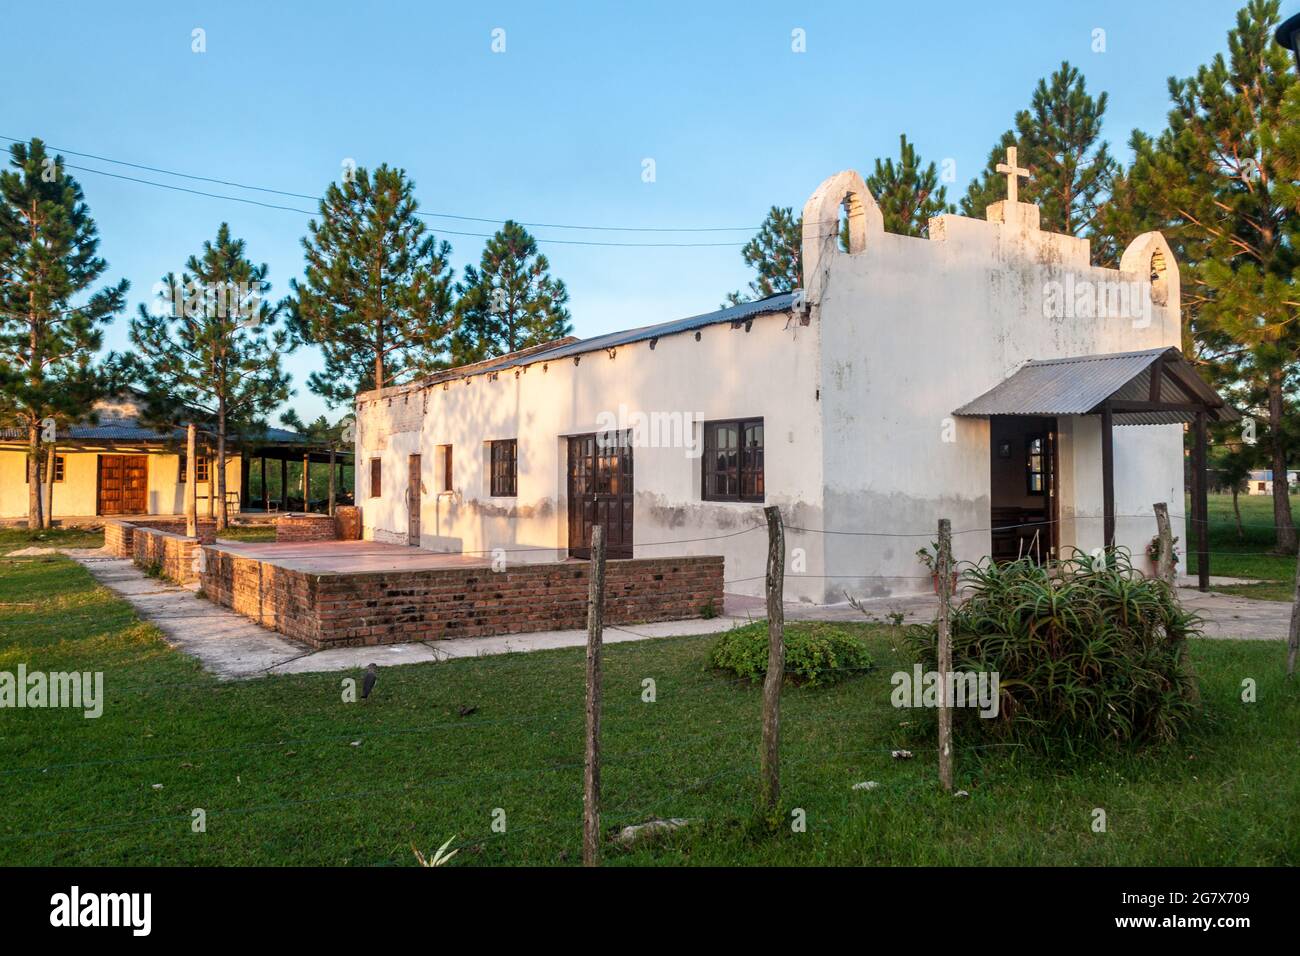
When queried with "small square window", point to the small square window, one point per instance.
{"points": [[58, 469], [733, 460]]}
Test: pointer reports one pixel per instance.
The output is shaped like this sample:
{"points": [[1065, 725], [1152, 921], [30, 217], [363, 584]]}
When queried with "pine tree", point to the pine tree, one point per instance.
{"points": [[774, 254], [48, 244], [510, 301], [1222, 183], [211, 345], [377, 295], [908, 194], [1059, 141]]}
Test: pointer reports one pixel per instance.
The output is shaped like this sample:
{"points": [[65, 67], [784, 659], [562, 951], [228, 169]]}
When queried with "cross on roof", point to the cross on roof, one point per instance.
{"points": [[1013, 174]]}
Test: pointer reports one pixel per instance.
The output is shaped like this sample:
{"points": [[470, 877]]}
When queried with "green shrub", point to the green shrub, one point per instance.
{"points": [[815, 654], [1086, 655]]}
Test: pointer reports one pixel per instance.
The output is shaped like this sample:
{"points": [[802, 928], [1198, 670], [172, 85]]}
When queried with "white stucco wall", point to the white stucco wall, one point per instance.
{"points": [[912, 329], [770, 371], [856, 393]]}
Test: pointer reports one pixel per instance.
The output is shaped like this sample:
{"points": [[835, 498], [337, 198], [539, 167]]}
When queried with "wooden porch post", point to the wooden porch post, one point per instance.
{"points": [[1108, 478], [1201, 503], [191, 481], [266, 497], [306, 481]]}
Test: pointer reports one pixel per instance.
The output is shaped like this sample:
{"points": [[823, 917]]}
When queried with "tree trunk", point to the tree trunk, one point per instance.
{"points": [[50, 460], [191, 481], [331, 508], [34, 520], [1282, 519]]}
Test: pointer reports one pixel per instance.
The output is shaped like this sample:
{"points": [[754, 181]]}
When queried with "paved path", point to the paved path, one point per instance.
{"points": [[1226, 616], [233, 647]]}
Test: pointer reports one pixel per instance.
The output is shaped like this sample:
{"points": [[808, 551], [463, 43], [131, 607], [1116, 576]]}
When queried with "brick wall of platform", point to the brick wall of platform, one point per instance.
{"points": [[335, 610]]}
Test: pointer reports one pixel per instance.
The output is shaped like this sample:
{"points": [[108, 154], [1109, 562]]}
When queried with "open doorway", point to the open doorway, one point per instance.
{"points": [[1023, 499]]}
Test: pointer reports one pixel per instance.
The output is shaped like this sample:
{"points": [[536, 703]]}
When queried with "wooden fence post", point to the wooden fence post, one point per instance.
{"points": [[1165, 555], [943, 565], [770, 757], [1293, 638], [591, 773]]}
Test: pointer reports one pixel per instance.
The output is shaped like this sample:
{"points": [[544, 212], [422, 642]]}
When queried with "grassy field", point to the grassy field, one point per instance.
{"points": [[290, 774], [1248, 555], [17, 539]]}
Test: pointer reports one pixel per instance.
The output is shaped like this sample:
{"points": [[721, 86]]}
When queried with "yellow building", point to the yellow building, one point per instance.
{"points": [[118, 466]]}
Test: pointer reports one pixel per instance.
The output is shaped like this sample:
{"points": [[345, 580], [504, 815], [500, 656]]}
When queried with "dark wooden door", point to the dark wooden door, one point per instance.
{"points": [[123, 484], [413, 502], [600, 493]]}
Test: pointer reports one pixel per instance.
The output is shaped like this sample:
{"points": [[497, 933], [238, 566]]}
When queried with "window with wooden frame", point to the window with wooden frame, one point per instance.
{"points": [[183, 470], [504, 459], [201, 470], [733, 460], [444, 464], [58, 469], [376, 477], [1036, 464]]}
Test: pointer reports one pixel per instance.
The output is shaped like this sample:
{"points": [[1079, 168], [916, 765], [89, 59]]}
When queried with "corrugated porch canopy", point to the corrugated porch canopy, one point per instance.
{"points": [[1151, 387]]}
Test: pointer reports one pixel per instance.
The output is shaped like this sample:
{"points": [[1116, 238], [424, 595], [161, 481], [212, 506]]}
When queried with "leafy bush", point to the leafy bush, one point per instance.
{"points": [[815, 654], [1086, 655]]}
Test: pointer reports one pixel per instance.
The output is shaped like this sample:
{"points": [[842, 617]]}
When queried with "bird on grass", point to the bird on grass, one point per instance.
{"points": [[368, 682], [465, 710]]}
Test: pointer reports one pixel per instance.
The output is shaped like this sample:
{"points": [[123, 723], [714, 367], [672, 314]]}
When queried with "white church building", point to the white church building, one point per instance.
{"points": [[988, 374]]}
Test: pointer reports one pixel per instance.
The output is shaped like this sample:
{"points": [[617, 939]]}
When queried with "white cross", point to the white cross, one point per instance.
{"points": [[1013, 174]]}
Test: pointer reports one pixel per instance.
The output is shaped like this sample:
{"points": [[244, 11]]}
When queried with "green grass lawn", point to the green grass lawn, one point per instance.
{"points": [[289, 774], [1246, 555], [251, 532], [16, 539]]}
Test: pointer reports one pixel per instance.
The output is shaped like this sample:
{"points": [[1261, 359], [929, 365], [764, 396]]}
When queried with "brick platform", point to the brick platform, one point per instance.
{"points": [[173, 554], [417, 595], [119, 533], [305, 527]]}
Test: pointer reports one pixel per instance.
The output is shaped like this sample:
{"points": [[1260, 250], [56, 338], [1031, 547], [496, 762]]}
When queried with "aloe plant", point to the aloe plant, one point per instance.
{"points": [[1088, 654]]}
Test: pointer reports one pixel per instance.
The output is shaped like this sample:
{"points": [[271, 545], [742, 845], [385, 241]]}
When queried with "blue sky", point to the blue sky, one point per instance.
{"points": [[555, 129]]}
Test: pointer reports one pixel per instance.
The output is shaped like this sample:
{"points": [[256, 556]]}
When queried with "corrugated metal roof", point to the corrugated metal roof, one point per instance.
{"points": [[127, 430], [1079, 385], [566, 348]]}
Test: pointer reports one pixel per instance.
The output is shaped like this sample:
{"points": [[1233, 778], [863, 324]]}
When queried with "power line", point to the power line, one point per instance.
{"points": [[427, 215]]}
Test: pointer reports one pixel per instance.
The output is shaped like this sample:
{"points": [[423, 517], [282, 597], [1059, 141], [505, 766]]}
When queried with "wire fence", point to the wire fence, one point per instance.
{"points": [[706, 742]]}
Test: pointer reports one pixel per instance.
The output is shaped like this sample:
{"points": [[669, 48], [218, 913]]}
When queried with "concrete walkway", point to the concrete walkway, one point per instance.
{"points": [[232, 647]]}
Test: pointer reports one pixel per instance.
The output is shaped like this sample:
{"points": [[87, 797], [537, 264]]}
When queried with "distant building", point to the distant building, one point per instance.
{"points": [[118, 466]]}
